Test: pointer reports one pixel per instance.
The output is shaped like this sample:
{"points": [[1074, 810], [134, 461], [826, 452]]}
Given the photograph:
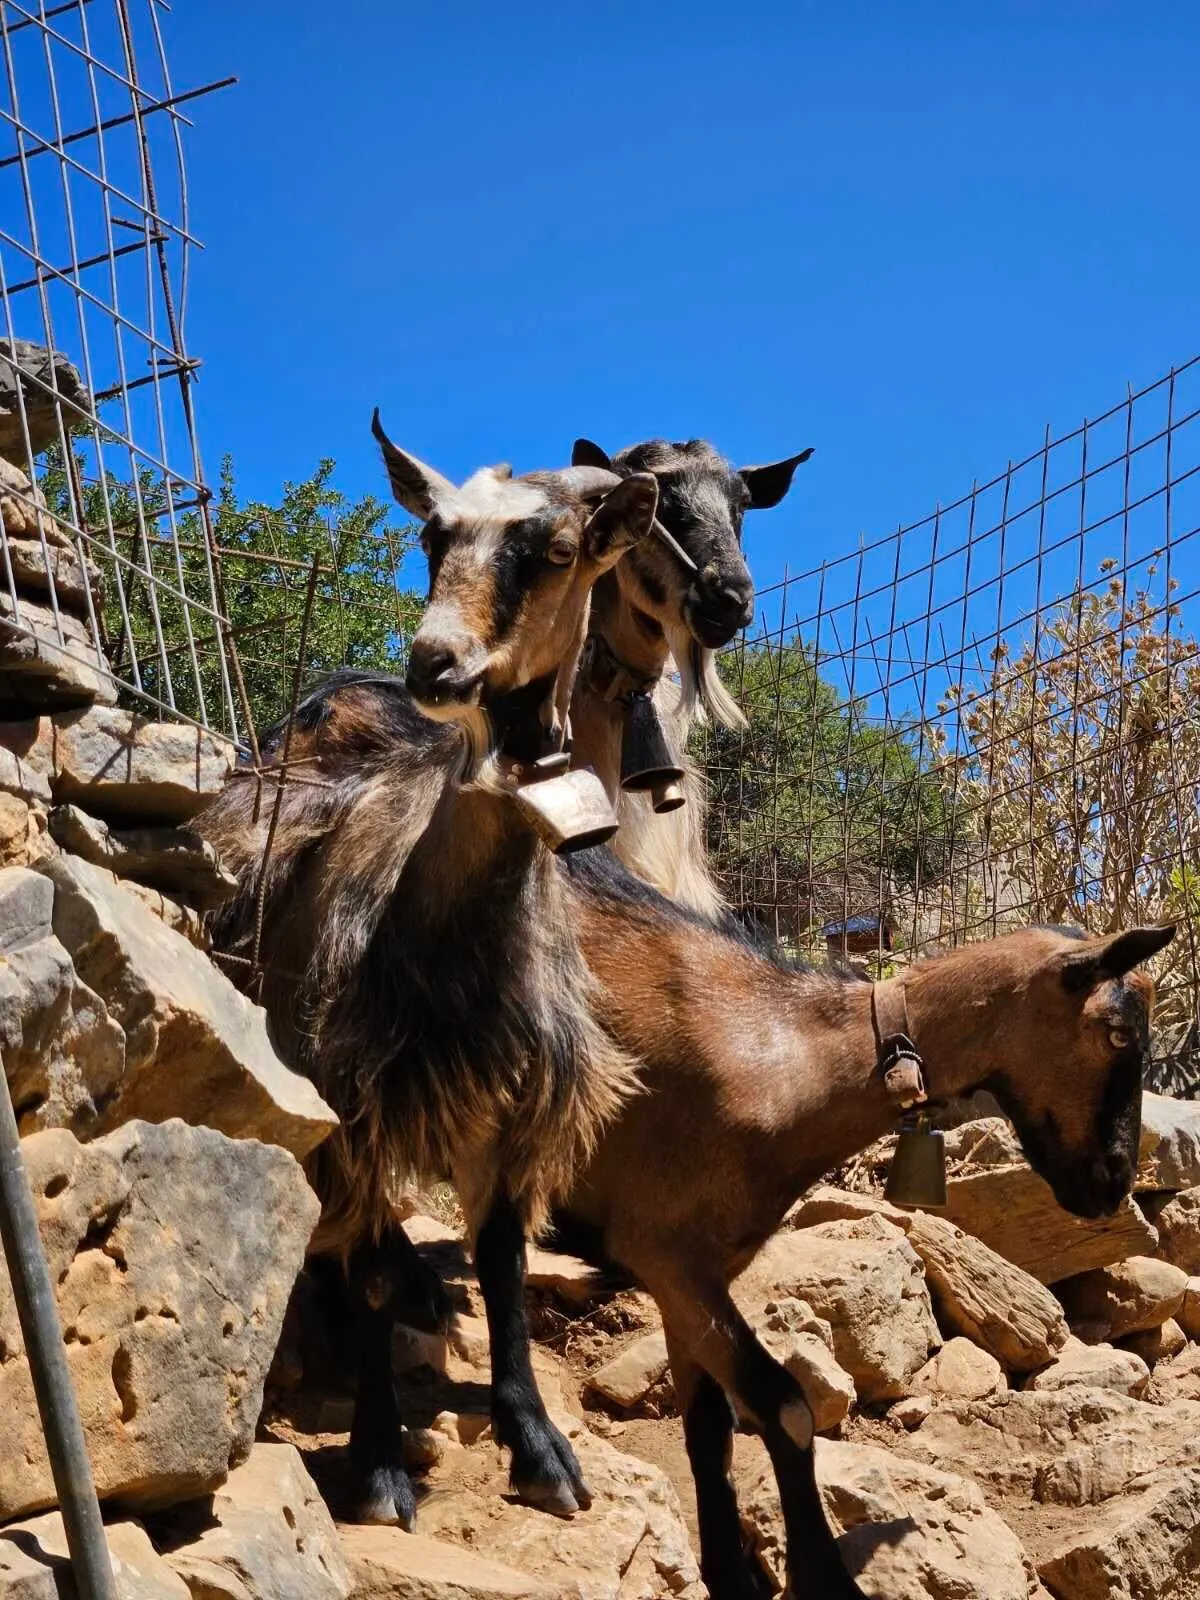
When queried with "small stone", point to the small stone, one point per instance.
{"points": [[626, 1380], [961, 1371], [911, 1412], [270, 1536], [1131, 1296], [572, 1280], [1157, 1344], [119, 764], [421, 1447], [1188, 1314], [413, 1348], [803, 1343], [1095, 1366], [469, 1340]]}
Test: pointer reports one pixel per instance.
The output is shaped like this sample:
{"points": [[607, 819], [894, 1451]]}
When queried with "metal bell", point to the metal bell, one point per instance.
{"points": [[569, 810], [647, 760], [666, 797], [917, 1176]]}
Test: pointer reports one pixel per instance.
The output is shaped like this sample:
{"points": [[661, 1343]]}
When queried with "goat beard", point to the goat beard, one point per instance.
{"points": [[702, 695]]}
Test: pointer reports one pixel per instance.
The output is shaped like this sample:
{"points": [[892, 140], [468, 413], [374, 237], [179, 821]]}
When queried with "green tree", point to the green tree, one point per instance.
{"points": [[818, 809], [164, 634]]}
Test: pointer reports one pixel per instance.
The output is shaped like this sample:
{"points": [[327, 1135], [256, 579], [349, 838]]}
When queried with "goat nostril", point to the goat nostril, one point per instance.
{"points": [[429, 665]]}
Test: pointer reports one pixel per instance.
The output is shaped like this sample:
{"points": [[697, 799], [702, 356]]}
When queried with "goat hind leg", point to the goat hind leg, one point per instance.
{"points": [[720, 1340], [728, 1567], [545, 1471]]}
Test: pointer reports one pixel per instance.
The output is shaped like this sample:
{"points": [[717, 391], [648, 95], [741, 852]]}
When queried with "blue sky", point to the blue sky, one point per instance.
{"points": [[906, 235]]}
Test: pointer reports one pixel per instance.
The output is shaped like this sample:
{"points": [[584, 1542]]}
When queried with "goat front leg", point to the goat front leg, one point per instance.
{"points": [[381, 1288], [719, 1339], [727, 1566], [545, 1471]]}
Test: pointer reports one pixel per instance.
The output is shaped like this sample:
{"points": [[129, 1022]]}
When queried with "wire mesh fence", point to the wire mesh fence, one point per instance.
{"points": [[987, 717]]}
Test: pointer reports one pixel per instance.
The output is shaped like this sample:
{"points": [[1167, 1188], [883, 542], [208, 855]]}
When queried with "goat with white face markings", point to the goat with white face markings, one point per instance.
{"points": [[417, 959], [656, 610]]}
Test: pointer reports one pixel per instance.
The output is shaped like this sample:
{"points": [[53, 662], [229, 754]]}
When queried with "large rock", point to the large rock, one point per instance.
{"points": [[390, 1565], [1013, 1210], [1070, 1447], [906, 1531], [975, 1291], [173, 859], [1169, 1156], [120, 764], [1140, 1546], [1178, 1224], [266, 1535], [35, 1563], [47, 661], [174, 1251], [1093, 1366], [628, 1377], [194, 1047], [803, 1343], [1130, 1297], [1189, 1312], [960, 1371], [27, 758], [31, 376], [871, 1291], [64, 1055], [56, 568]]}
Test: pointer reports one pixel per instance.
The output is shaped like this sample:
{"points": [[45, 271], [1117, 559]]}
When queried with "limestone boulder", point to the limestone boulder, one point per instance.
{"points": [[173, 1250], [120, 764], [803, 1343], [960, 1371], [264, 1535], [57, 567], [49, 661], [975, 1291], [35, 1563], [1153, 1345], [906, 1530], [1169, 1154], [173, 859], [63, 1052], [628, 1377], [1092, 1366], [1068, 1447], [194, 1046], [27, 758], [1188, 1314], [1127, 1298], [389, 1565], [1143, 1544], [1178, 1224], [870, 1288]]}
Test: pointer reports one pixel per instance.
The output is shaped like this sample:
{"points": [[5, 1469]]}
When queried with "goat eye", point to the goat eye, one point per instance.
{"points": [[1120, 1038], [561, 552]]}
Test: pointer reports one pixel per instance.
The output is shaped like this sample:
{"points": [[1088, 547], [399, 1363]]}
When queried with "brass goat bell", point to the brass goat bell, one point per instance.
{"points": [[647, 760], [917, 1177], [568, 810]]}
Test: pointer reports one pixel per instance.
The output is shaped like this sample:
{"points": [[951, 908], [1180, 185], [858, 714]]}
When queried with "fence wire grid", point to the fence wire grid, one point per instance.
{"points": [[987, 718]]}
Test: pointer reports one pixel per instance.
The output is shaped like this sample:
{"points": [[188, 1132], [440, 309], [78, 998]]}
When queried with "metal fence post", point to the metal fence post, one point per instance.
{"points": [[38, 1313]]}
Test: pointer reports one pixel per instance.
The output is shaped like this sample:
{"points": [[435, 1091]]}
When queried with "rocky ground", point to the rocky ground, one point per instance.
{"points": [[1008, 1397]]}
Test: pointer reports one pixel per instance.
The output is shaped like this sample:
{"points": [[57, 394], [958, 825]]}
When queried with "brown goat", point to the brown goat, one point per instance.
{"points": [[417, 960], [651, 613], [760, 1077]]}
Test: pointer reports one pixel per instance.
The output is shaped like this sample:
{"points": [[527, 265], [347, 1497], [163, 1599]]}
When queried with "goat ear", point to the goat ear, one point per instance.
{"points": [[1114, 956], [768, 485], [586, 454], [623, 517], [418, 488]]}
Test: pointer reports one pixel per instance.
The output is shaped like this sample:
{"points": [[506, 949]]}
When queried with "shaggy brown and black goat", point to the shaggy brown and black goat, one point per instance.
{"points": [[417, 960], [759, 1077], [650, 612]]}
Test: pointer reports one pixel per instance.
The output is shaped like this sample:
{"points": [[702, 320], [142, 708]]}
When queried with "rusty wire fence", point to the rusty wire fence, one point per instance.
{"points": [[988, 717]]}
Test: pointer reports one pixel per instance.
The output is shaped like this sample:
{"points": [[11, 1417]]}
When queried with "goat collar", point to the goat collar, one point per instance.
{"points": [[612, 678], [897, 1058]]}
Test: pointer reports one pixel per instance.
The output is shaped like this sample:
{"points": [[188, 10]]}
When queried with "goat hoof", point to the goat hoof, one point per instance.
{"points": [[556, 1498], [554, 1482], [386, 1496]]}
